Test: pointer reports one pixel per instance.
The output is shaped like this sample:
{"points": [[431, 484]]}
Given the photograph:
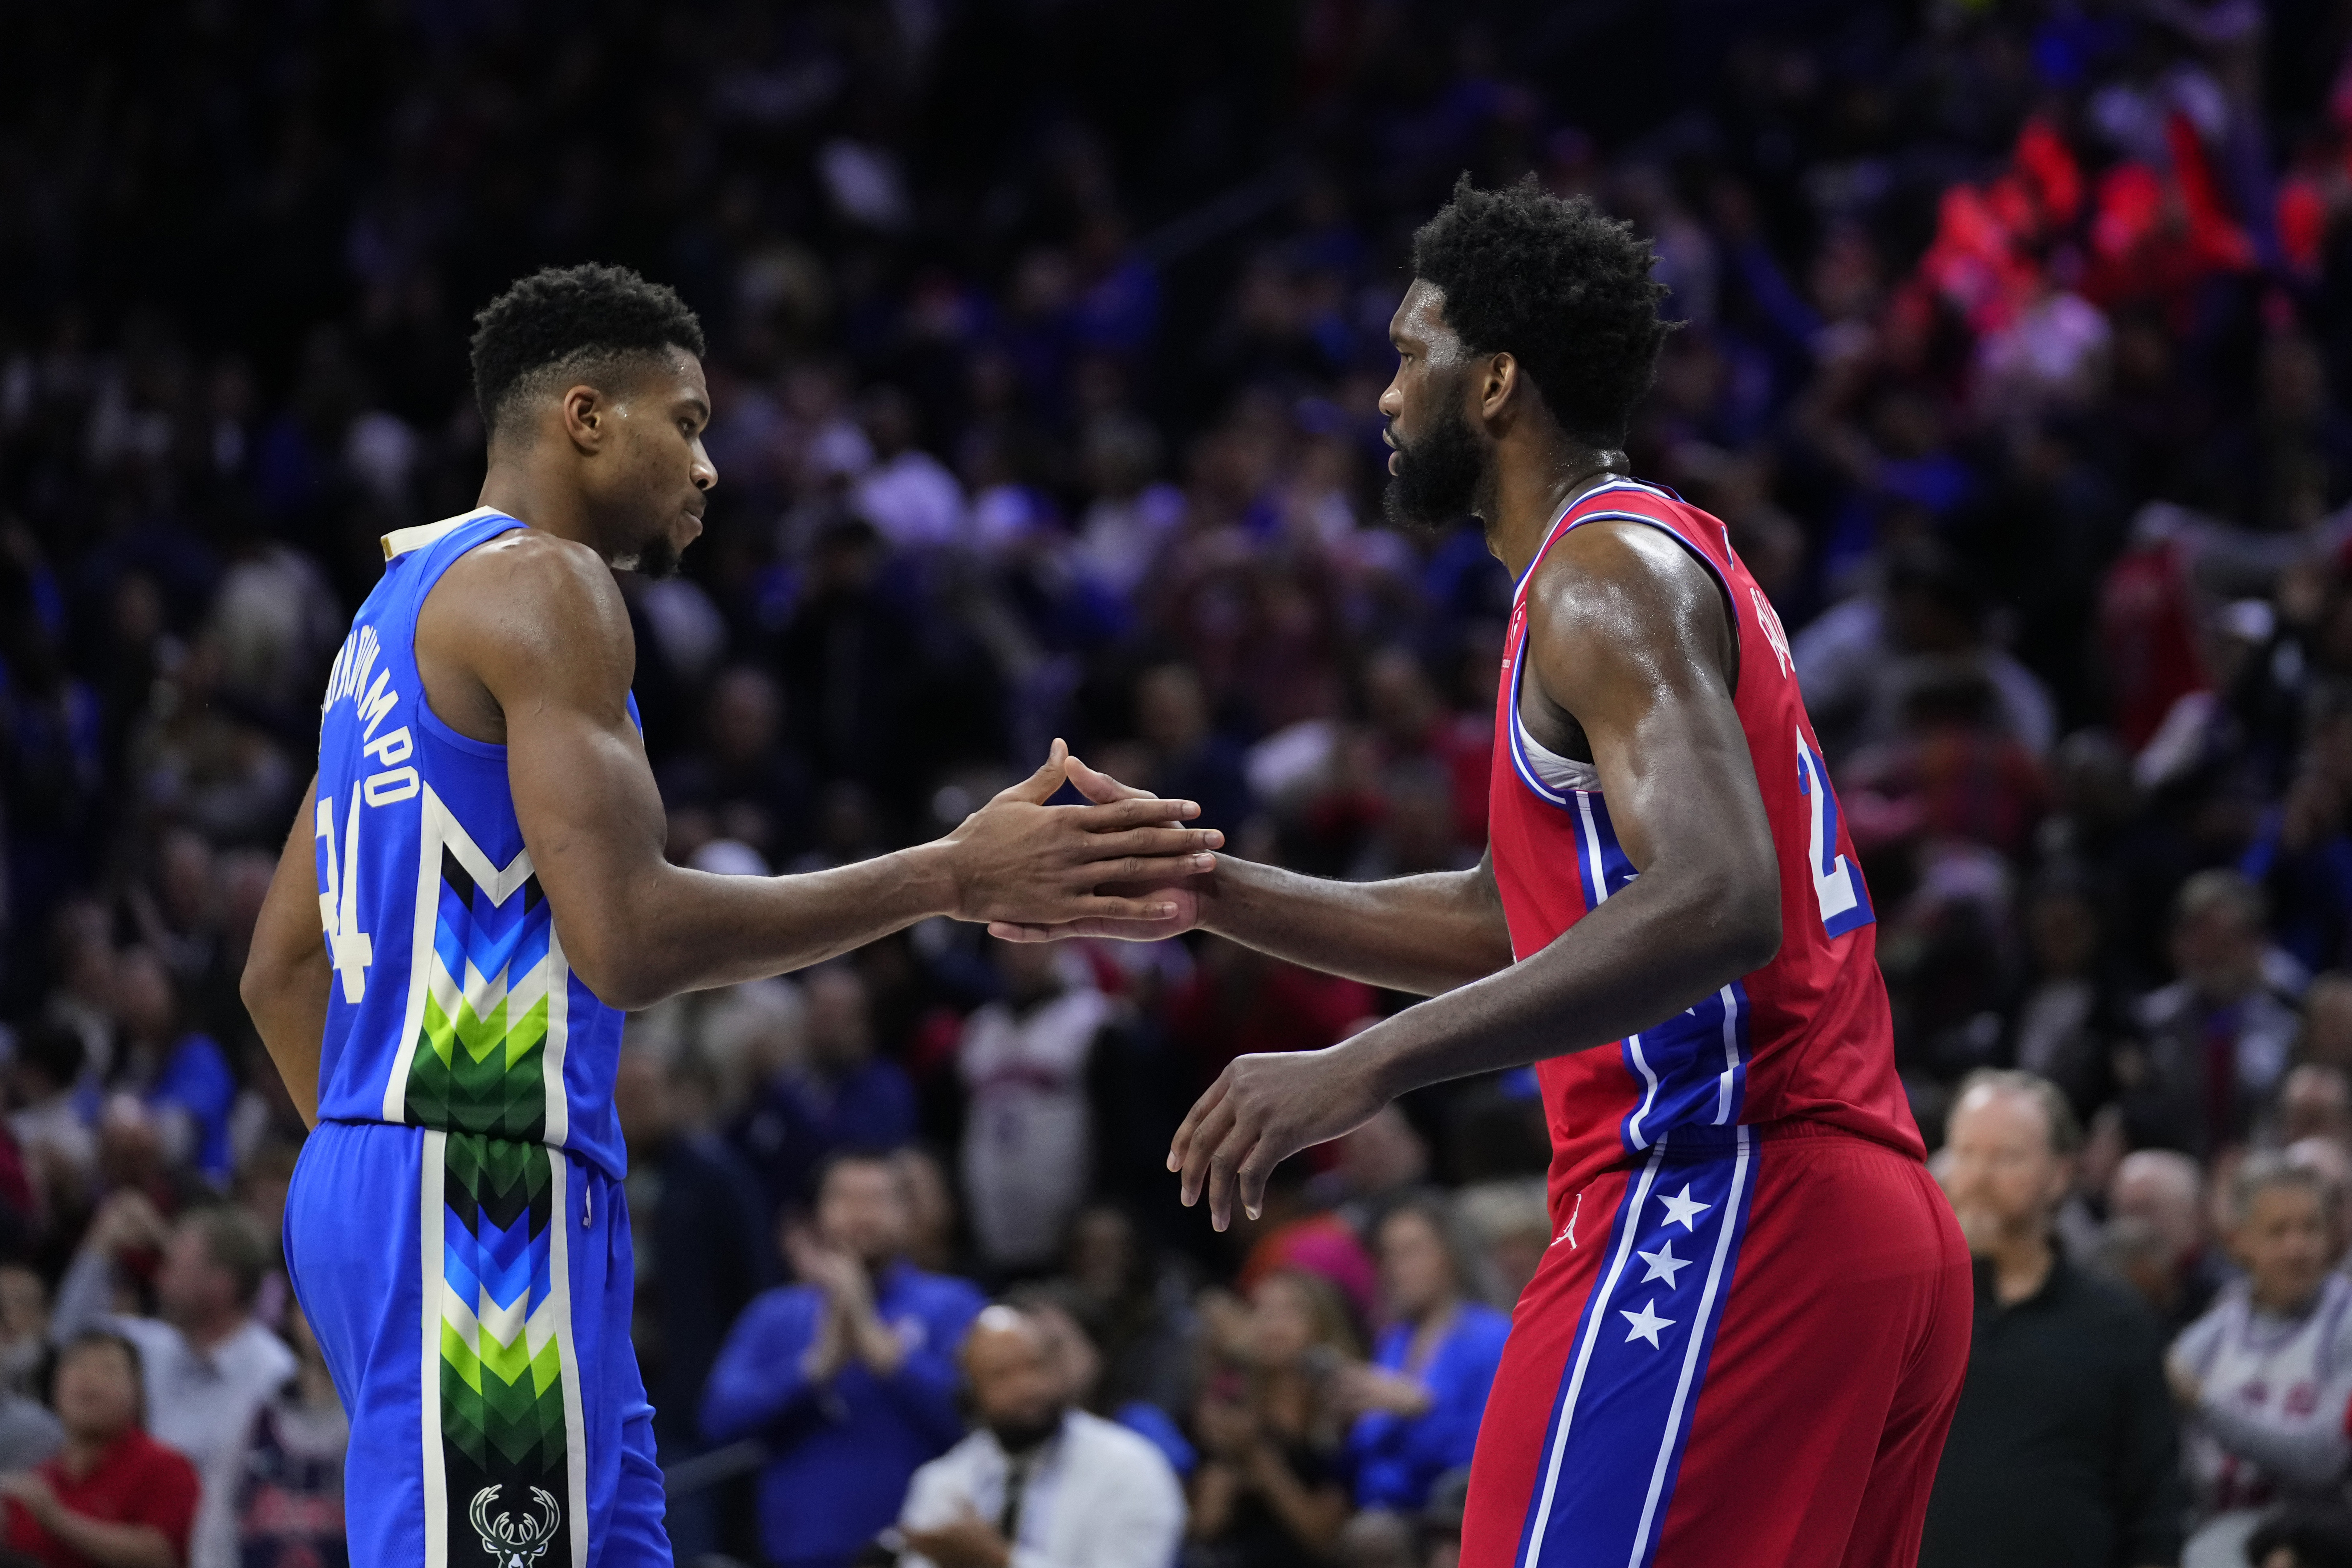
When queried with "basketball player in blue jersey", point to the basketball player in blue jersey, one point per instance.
{"points": [[481, 851]]}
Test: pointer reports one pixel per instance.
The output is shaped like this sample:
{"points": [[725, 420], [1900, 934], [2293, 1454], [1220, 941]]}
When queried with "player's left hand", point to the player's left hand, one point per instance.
{"points": [[1261, 1111]]}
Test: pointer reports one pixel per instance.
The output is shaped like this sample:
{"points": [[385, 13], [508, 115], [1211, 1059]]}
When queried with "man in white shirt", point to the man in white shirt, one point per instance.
{"points": [[1039, 1484], [207, 1364]]}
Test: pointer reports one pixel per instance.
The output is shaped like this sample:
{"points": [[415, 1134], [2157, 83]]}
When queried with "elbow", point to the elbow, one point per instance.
{"points": [[629, 988], [1758, 938], [261, 983], [1744, 915], [618, 966]]}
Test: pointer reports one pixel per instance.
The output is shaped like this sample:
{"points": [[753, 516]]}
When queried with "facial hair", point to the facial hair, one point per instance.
{"points": [[1021, 1436], [1437, 478], [658, 560]]}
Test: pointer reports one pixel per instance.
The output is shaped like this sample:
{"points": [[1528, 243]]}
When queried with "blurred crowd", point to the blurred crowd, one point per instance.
{"points": [[2016, 354]]}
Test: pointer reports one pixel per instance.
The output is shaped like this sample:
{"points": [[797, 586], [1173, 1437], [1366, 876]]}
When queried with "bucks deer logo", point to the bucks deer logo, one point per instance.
{"points": [[512, 1543]]}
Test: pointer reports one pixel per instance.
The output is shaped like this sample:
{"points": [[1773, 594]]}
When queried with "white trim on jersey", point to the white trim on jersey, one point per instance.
{"points": [[424, 535]]}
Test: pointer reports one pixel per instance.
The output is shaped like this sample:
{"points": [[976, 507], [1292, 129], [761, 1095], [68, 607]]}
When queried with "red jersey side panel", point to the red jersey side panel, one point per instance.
{"points": [[1807, 1036]]}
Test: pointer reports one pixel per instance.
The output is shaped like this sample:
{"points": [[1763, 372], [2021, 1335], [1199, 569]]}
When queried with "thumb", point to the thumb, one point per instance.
{"points": [[1039, 787]]}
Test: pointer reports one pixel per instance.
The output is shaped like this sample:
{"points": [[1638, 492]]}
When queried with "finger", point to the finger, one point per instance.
{"points": [[1194, 1125], [1148, 811], [1147, 910], [1237, 1146], [1039, 787], [1105, 928], [1100, 787], [1252, 1172], [1170, 841]]}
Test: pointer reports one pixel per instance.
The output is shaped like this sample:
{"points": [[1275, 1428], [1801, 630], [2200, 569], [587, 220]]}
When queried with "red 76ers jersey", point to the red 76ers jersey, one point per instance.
{"points": [[1806, 1037]]}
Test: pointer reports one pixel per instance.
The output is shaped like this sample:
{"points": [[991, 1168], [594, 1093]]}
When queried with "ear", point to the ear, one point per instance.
{"points": [[1497, 380], [583, 414]]}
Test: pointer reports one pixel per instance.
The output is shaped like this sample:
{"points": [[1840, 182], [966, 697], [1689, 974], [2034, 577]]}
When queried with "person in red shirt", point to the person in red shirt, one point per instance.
{"points": [[113, 1497]]}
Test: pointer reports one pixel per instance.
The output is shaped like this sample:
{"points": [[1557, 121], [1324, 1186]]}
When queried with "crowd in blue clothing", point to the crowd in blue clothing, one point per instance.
{"points": [[2015, 355]]}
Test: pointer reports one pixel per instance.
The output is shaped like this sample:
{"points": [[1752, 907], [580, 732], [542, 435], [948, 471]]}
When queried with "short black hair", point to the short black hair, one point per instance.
{"points": [[1560, 287], [572, 319], [94, 1339]]}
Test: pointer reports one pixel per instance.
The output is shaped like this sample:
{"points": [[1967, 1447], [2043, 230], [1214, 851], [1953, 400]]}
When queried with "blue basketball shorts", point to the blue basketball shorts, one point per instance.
{"points": [[472, 1295]]}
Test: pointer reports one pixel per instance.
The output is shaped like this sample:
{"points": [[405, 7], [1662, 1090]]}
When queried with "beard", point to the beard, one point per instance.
{"points": [[1438, 478], [658, 560], [1017, 1437]]}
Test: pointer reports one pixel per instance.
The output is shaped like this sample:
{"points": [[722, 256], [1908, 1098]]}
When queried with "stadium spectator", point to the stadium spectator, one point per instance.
{"points": [[290, 1507], [1039, 1482], [1029, 1135], [1420, 1399], [1141, 1307], [2015, 363], [2218, 1038], [1269, 1492], [843, 1096], [206, 1365], [699, 1228], [848, 1377], [114, 1497], [179, 1072], [2165, 1189], [2266, 1377], [2063, 1450]]}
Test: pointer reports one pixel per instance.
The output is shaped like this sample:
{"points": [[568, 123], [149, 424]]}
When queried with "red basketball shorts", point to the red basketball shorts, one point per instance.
{"points": [[1745, 1353]]}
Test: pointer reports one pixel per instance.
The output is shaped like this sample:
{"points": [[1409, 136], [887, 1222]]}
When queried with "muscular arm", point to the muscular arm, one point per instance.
{"points": [[1423, 935], [1628, 635], [541, 625], [286, 971]]}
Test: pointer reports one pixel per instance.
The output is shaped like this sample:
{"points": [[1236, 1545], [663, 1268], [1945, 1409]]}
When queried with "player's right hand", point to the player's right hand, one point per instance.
{"points": [[1187, 892], [1020, 862]]}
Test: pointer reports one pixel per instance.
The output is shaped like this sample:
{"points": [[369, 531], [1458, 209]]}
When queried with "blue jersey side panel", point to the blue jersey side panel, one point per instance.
{"points": [[451, 1005]]}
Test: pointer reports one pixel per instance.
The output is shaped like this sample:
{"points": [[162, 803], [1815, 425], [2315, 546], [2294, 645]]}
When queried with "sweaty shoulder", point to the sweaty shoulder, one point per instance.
{"points": [[1634, 591], [526, 614]]}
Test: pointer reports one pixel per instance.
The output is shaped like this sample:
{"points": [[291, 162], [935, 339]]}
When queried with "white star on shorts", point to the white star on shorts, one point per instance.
{"points": [[1646, 1324], [1685, 1210], [1664, 1264]]}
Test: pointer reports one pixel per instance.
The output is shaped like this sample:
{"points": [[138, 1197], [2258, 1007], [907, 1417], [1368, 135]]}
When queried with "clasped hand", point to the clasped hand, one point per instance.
{"points": [[1019, 863]]}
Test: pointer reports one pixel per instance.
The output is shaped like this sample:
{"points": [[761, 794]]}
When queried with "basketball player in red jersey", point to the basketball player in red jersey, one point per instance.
{"points": [[1745, 1341]]}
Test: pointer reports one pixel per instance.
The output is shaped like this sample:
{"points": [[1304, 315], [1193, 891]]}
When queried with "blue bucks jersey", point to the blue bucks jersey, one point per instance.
{"points": [[451, 1006]]}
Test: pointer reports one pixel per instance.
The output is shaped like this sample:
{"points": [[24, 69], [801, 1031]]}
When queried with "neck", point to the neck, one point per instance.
{"points": [[1433, 1315], [206, 1332], [523, 483], [2021, 1264], [2279, 1305], [83, 1450], [1529, 496]]}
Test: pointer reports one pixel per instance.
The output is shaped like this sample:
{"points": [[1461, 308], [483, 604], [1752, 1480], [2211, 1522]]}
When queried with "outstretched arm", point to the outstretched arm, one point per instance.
{"points": [[1627, 634], [1423, 935], [541, 623]]}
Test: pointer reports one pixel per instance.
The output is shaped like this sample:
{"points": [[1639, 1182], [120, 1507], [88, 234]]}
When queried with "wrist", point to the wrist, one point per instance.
{"points": [[1371, 1059], [1218, 891], [935, 877]]}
